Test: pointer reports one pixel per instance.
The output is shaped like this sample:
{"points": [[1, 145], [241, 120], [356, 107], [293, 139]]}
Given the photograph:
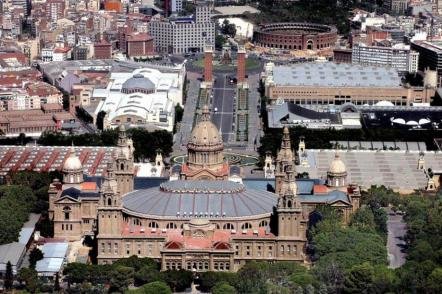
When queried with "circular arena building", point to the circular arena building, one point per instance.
{"points": [[295, 36]]}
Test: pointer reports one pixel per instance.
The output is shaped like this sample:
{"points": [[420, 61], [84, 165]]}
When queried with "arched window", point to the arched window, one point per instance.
{"points": [[289, 204], [263, 224], [67, 212], [246, 226], [153, 225], [228, 226], [122, 166], [171, 226], [109, 201]]}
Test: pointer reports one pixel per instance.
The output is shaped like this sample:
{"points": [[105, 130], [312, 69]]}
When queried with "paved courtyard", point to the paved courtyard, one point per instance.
{"points": [[395, 169]]}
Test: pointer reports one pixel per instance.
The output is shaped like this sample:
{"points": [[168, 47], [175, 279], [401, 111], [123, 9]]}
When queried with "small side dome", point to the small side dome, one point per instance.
{"points": [[337, 166], [72, 163]]}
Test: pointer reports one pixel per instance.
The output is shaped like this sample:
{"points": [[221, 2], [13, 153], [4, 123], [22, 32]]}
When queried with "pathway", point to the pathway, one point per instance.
{"points": [[395, 242]]}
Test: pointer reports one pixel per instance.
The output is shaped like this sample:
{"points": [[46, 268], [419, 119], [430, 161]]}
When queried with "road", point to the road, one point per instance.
{"points": [[223, 99], [395, 242]]}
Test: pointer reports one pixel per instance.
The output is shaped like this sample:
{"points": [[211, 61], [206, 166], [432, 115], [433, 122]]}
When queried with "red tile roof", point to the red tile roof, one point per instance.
{"points": [[320, 189], [139, 37]]}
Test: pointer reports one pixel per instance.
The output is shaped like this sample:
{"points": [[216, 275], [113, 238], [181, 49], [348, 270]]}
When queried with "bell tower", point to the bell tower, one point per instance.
{"points": [[110, 205], [124, 162], [284, 159], [289, 209]]}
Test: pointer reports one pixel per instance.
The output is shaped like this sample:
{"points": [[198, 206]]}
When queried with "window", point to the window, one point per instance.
{"points": [[67, 212], [171, 226], [228, 226], [246, 226], [153, 225], [263, 223]]}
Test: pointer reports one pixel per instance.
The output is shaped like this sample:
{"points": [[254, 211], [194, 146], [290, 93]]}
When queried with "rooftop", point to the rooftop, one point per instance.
{"points": [[335, 75]]}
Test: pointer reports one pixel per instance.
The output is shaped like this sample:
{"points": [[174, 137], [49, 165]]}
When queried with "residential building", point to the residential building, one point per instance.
{"points": [[399, 57], [55, 9], [139, 45], [102, 50], [398, 7], [430, 57], [183, 34], [176, 6]]}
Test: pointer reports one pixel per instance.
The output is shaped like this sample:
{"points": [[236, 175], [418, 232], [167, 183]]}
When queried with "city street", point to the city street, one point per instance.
{"points": [[395, 242], [223, 102]]}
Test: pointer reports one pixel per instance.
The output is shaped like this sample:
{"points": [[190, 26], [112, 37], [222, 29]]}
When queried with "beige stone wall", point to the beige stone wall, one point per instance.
{"points": [[358, 96]]}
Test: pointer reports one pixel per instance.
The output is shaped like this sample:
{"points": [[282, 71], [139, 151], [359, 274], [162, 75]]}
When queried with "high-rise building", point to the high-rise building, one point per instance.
{"points": [[184, 34], [55, 9], [398, 57], [395, 6], [430, 57], [176, 6]]}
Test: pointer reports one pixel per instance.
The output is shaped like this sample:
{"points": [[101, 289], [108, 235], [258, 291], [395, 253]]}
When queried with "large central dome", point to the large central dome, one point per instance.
{"points": [[205, 147], [205, 132]]}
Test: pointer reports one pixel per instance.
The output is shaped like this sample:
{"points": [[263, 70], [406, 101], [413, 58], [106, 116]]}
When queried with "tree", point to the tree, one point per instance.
{"points": [[30, 278], [178, 280], [363, 220], [434, 281], [359, 279], [121, 277], [220, 40], [146, 275], [228, 28], [35, 256], [251, 279], [9, 276], [303, 279], [207, 280], [76, 272], [153, 288], [223, 288], [57, 283]]}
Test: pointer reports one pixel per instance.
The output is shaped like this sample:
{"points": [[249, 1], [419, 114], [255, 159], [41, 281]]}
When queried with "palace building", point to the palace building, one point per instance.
{"points": [[201, 221]]}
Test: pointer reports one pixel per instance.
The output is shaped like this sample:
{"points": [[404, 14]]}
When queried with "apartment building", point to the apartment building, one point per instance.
{"points": [[183, 34], [399, 57]]}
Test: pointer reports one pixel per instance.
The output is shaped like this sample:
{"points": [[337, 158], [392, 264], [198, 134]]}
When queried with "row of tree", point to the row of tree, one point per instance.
{"points": [[124, 273], [16, 203], [26, 192]]}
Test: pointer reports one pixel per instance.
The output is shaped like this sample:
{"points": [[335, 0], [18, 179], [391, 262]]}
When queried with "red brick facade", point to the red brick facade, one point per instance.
{"points": [[102, 50], [139, 45], [208, 67], [241, 66]]}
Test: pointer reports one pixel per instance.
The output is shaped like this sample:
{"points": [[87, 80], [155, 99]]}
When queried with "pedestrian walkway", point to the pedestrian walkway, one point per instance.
{"points": [[395, 241]]}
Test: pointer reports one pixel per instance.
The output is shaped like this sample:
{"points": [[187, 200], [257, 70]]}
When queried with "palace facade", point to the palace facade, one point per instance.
{"points": [[201, 221]]}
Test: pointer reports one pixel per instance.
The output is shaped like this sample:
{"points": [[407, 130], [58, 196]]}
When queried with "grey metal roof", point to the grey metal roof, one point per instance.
{"points": [[336, 75], [156, 201], [183, 198], [331, 197], [138, 81], [12, 252]]}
